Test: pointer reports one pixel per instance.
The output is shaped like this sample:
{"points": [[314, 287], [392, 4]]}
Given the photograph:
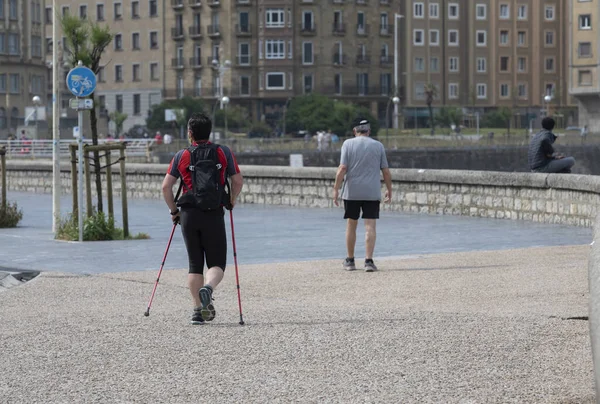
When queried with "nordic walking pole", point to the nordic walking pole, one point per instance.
{"points": [[147, 312], [237, 277]]}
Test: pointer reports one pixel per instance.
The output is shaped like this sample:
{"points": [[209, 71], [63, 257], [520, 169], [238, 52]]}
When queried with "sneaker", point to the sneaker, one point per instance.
{"points": [[349, 264], [370, 266], [197, 317], [207, 310]]}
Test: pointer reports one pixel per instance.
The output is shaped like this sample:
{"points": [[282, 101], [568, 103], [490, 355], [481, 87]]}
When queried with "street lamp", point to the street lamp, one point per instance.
{"points": [[221, 69], [225, 101], [548, 98], [36, 102], [395, 100], [396, 18]]}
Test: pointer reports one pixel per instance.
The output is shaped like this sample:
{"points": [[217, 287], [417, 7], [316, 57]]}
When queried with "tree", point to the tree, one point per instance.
{"points": [[447, 116], [505, 115], [86, 42], [119, 119], [237, 117], [431, 92]]}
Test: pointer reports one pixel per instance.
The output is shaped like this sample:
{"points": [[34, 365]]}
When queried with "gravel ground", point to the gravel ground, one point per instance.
{"points": [[475, 327]]}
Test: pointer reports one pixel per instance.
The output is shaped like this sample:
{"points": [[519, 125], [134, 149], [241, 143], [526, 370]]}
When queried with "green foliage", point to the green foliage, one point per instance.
{"points": [[86, 41], [315, 112], [119, 119], [95, 228], [499, 118], [447, 116], [237, 117], [188, 104], [260, 129], [10, 215]]}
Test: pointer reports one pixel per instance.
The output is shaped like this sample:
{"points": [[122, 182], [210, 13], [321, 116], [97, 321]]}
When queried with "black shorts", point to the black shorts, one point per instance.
{"points": [[370, 209], [205, 237]]}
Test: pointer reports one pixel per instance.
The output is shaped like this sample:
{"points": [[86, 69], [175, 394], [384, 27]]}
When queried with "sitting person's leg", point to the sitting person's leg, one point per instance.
{"points": [[560, 165]]}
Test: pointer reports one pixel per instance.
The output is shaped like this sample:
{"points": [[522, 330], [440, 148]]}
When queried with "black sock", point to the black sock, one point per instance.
{"points": [[350, 259], [369, 260], [209, 288]]}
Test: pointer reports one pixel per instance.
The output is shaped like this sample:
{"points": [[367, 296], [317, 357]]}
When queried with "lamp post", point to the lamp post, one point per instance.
{"points": [[224, 102], [396, 18], [395, 100], [55, 125], [221, 69], [548, 98], [36, 102]]}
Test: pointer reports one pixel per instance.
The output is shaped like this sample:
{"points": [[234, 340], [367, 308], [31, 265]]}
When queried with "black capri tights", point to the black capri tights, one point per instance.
{"points": [[204, 236]]}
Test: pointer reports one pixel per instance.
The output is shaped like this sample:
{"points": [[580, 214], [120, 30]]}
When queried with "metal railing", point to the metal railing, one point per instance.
{"points": [[42, 149]]}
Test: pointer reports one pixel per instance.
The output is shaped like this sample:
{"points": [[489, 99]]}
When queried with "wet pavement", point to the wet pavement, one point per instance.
{"points": [[264, 234]]}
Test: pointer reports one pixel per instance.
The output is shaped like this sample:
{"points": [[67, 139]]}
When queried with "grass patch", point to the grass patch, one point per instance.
{"points": [[97, 227], [10, 215]]}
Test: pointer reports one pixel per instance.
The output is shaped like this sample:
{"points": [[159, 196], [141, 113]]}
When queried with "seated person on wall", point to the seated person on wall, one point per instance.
{"points": [[542, 157]]}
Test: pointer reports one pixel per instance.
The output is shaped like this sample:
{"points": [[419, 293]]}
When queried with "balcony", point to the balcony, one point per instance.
{"points": [[243, 29], [363, 60], [210, 59], [338, 1], [308, 30], [195, 32], [243, 60], [339, 59], [339, 29], [178, 63], [214, 3], [177, 4], [214, 31], [243, 2], [362, 30], [386, 61], [308, 60], [196, 62], [362, 2], [359, 91], [195, 3], [385, 30], [177, 33]]}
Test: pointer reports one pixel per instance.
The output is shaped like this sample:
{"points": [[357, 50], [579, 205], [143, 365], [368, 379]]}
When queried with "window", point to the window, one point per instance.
{"points": [[481, 91], [584, 49], [453, 37], [36, 46], [244, 85], [48, 44], [3, 43], [434, 37], [3, 83], [419, 91], [504, 90], [308, 83], [504, 37], [453, 91], [118, 42], [119, 103], [418, 37], [3, 120], [198, 86], [434, 64], [154, 40], [521, 38], [419, 10], [244, 54], [522, 64], [385, 82], [549, 13], [585, 21], [549, 64], [504, 63], [48, 15], [137, 104], [434, 10], [65, 10], [549, 38], [13, 10], [13, 44], [550, 89], [481, 38], [307, 53], [585, 78], [274, 19], [308, 21], [118, 73], [154, 71], [135, 41], [14, 81], [135, 9], [101, 77], [275, 49], [453, 11], [362, 83], [522, 90], [337, 82], [99, 12], [453, 64], [135, 72], [504, 11], [83, 11], [275, 81], [383, 23], [290, 49], [153, 8], [522, 12], [118, 11], [419, 64], [481, 65], [480, 12]]}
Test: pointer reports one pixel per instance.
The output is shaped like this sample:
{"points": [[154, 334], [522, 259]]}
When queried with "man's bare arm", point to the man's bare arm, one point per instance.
{"points": [[339, 177], [167, 190], [387, 179], [237, 183]]}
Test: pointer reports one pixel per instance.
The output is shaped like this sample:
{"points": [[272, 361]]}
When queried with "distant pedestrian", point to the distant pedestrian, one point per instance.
{"points": [[362, 160], [542, 157]]}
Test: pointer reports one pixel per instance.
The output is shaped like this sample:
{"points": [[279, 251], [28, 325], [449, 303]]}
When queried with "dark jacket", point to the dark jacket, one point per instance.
{"points": [[540, 148]]}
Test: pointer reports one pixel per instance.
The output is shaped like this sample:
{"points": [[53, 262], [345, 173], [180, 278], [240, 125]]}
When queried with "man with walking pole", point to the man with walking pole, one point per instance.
{"points": [[204, 169]]}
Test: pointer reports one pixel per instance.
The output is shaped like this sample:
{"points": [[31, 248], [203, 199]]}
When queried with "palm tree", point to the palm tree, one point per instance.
{"points": [[431, 92]]}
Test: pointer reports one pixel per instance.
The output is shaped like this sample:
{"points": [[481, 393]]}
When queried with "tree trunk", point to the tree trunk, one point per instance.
{"points": [[431, 119], [94, 125]]}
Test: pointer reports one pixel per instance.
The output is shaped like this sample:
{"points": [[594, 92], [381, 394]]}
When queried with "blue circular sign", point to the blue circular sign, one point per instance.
{"points": [[81, 81]]}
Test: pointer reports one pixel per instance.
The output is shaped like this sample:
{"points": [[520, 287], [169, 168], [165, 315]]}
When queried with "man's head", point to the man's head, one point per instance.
{"points": [[361, 126], [199, 127], [548, 123]]}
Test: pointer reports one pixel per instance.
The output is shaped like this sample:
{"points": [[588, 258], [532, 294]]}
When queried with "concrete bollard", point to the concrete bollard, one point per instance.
{"points": [[594, 303]]}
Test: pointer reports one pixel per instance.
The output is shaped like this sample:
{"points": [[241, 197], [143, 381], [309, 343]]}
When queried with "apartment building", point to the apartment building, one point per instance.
{"points": [[584, 83], [22, 66], [263, 52], [485, 54], [132, 76]]}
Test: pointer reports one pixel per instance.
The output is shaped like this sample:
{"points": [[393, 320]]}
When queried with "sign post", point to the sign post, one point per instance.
{"points": [[81, 81]]}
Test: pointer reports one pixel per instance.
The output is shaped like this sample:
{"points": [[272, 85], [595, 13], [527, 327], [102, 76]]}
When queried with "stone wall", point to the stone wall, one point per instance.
{"points": [[550, 198]]}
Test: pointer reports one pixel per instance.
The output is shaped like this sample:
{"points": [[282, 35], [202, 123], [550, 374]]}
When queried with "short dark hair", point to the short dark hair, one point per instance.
{"points": [[200, 125], [548, 123]]}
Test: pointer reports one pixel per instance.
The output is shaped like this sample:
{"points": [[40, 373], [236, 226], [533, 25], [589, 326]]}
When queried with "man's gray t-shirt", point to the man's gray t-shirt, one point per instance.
{"points": [[365, 158]]}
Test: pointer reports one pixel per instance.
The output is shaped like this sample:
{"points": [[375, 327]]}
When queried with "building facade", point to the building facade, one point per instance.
{"points": [[23, 70]]}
